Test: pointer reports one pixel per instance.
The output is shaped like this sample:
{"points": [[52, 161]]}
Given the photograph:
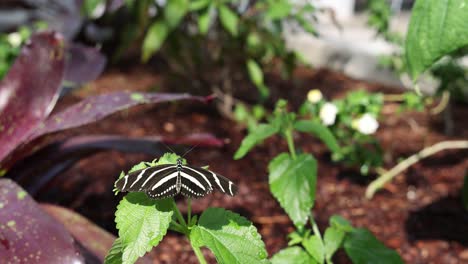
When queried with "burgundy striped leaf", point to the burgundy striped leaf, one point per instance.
{"points": [[97, 107], [28, 234], [30, 89]]}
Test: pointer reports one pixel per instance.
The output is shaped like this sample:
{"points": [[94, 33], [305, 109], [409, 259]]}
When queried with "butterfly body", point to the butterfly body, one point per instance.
{"points": [[168, 180]]}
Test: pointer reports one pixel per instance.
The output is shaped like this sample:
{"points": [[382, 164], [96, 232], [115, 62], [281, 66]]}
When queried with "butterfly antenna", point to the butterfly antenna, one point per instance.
{"points": [[190, 149], [169, 148]]}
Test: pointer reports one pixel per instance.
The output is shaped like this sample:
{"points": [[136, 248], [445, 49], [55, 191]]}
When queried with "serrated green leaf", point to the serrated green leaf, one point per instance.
{"points": [[320, 131], [292, 255], [436, 28], [115, 253], [174, 11], [314, 246], [362, 247], [204, 20], [254, 137], [154, 39], [333, 238], [142, 223], [229, 19], [231, 237], [196, 5], [292, 183]]}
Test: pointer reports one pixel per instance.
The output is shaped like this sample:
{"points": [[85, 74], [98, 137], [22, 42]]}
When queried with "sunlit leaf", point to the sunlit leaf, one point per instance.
{"points": [[229, 19], [142, 223], [436, 28], [292, 183], [255, 137], [320, 131], [292, 255], [231, 237], [154, 39]]}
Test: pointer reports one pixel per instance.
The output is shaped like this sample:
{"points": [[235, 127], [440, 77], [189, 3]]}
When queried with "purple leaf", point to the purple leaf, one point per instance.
{"points": [[84, 64], [97, 107], [92, 237], [34, 171], [28, 234], [30, 89]]}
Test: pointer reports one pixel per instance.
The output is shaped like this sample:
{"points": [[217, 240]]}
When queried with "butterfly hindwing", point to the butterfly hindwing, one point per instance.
{"points": [[165, 187], [194, 183], [217, 181]]}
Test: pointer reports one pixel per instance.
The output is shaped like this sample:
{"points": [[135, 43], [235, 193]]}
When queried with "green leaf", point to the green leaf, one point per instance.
{"points": [[292, 183], [142, 223], [115, 253], [196, 5], [464, 193], [256, 75], [341, 223], [229, 19], [204, 20], [278, 9], [174, 11], [254, 137], [436, 28], [319, 130], [154, 39], [315, 247], [255, 72], [231, 237], [333, 238], [292, 255], [362, 247]]}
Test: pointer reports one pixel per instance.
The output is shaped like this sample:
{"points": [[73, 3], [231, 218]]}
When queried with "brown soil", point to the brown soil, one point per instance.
{"points": [[419, 213]]}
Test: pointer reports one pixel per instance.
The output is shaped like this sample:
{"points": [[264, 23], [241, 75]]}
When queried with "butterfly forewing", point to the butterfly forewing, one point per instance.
{"points": [[217, 181], [142, 180]]}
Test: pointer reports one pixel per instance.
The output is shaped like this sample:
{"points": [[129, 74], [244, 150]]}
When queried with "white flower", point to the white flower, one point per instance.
{"points": [[366, 124], [314, 96], [328, 114], [98, 10], [14, 39]]}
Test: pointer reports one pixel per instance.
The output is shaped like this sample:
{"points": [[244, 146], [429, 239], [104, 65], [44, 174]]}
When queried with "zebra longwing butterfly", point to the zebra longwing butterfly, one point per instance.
{"points": [[163, 181]]}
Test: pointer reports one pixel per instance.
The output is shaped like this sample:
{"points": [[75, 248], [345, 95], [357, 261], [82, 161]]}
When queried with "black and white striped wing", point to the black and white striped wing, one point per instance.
{"points": [[211, 179], [158, 181]]}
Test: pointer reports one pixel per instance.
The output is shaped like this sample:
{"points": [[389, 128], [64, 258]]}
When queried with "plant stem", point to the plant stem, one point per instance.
{"points": [[199, 254], [289, 139], [179, 216], [178, 227], [400, 167], [315, 227], [189, 210]]}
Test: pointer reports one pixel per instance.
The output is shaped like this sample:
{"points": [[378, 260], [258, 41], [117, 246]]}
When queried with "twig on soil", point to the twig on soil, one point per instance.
{"points": [[444, 101], [378, 183]]}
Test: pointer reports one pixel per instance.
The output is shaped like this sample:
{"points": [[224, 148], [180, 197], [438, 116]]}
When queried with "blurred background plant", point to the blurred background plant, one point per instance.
{"points": [[209, 45], [451, 74]]}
